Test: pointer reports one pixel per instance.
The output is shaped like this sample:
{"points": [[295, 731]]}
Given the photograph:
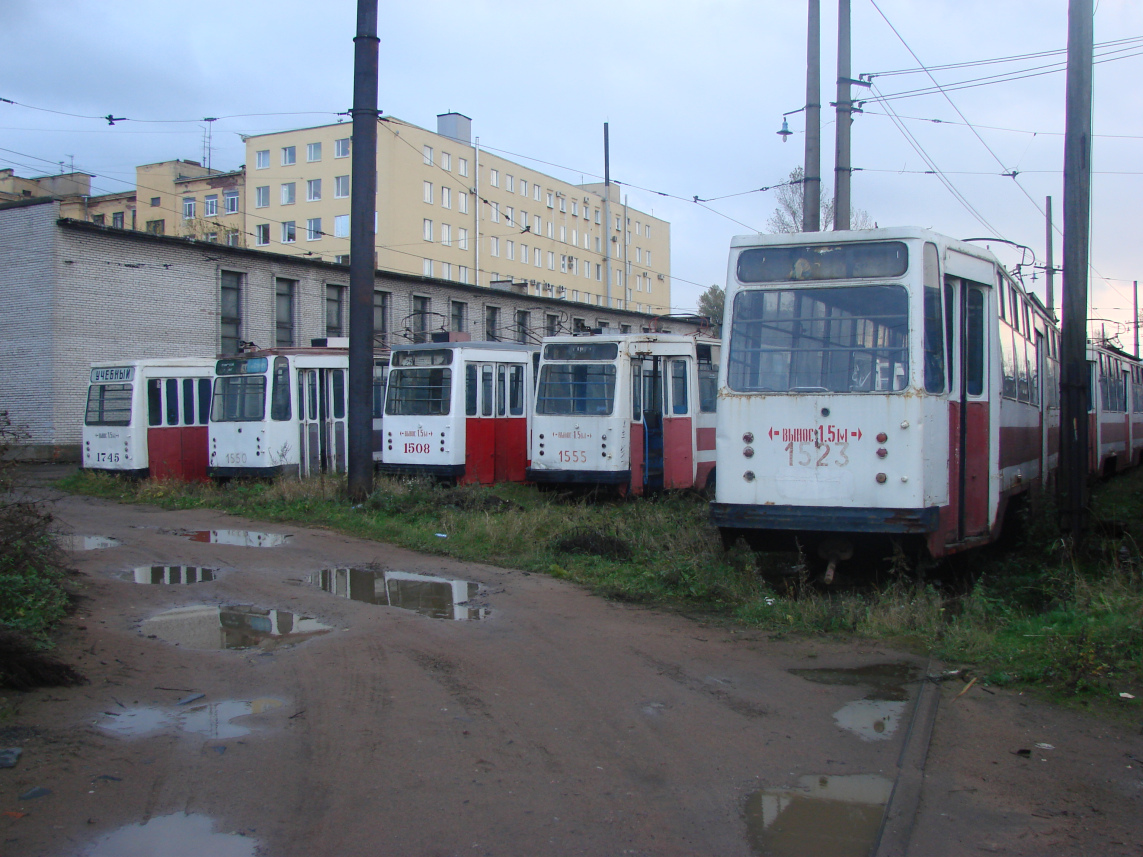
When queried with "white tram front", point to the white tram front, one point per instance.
{"points": [[889, 382], [635, 411], [459, 411], [148, 417]]}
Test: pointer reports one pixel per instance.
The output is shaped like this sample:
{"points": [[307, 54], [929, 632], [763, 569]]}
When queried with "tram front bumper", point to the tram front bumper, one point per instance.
{"points": [[578, 477], [433, 471], [824, 519]]}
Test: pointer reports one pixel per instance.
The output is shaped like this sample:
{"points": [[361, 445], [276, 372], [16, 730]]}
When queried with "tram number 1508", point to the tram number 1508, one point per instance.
{"points": [[817, 454], [417, 449]]}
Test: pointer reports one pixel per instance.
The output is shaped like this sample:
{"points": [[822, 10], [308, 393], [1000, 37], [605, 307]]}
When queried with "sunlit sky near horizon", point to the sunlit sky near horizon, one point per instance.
{"points": [[693, 93]]}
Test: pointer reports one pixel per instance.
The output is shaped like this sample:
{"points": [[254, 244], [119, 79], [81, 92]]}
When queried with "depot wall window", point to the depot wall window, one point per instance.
{"points": [[551, 324], [422, 308], [492, 323], [523, 323], [458, 316], [381, 317], [334, 310], [230, 311], [284, 291]]}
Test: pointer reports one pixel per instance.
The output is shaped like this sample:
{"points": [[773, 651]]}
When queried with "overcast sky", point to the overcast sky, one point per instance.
{"points": [[693, 92]]}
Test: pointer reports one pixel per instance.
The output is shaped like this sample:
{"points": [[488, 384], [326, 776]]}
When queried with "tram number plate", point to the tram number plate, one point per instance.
{"points": [[109, 457], [236, 458], [814, 454], [573, 456], [417, 449]]}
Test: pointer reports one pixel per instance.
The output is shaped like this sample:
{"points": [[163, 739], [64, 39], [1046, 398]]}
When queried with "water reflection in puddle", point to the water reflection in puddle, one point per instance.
{"points": [[172, 574], [213, 720], [437, 597], [239, 538], [207, 626], [87, 543], [177, 835], [877, 716], [823, 816], [870, 719]]}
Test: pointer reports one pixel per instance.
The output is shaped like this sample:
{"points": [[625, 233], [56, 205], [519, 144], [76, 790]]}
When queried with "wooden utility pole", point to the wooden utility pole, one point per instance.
{"points": [[844, 108], [362, 243], [1077, 210], [1049, 265], [812, 173]]}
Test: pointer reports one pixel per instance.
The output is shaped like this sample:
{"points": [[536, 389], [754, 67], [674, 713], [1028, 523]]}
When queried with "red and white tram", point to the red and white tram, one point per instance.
{"points": [[1116, 409], [459, 411], [889, 382], [634, 410], [149, 417]]}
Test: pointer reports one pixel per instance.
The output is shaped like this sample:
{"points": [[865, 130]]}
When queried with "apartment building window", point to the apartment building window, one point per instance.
{"points": [[509, 183], [462, 274], [494, 178], [462, 166], [262, 159], [587, 270], [575, 209], [421, 308], [563, 235], [313, 190], [156, 201], [523, 187], [212, 237], [537, 226], [494, 245], [284, 311], [117, 219], [575, 296], [524, 253], [289, 155], [313, 152], [523, 322], [598, 244], [551, 229], [599, 272], [617, 226], [97, 219], [564, 204], [341, 259], [647, 231], [446, 161], [427, 267], [550, 198], [535, 192], [462, 238], [597, 215], [563, 264], [230, 311], [334, 303], [210, 205], [155, 227], [188, 208], [289, 193], [551, 260], [495, 212], [491, 323], [262, 234], [289, 232], [341, 148], [458, 316], [648, 255], [341, 226], [427, 230], [340, 187], [313, 229], [510, 249], [538, 257], [446, 197], [230, 201], [380, 316], [427, 151], [428, 192], [628, 241], [232, 238], [508, 215], [462, 202], [446, 270], [446, 234], [262, 196]]}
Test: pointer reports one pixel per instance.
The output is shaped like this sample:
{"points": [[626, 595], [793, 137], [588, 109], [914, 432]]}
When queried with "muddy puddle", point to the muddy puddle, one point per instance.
{"points": [[436, 597], [171, 574], [823, 816], [210, 626], [87, 543], [176, 835], [211, 720], [877, 716], [237, 538]]}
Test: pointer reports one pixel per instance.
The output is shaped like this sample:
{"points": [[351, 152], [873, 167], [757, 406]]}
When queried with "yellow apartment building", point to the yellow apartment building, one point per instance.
{"points": [[189, 200], [450, 210]]}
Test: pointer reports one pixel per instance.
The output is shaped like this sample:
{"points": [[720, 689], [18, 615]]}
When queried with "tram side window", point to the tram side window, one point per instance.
{"points": [[338, 394], [280, 390], [501, 391], [188, 401], [154, 402], [1007, 362], [934, 342], [516, 390], [486, 391], [239, 398], [470, 388], [108, 405], [172, 391], [975, 343], [636, 391], [203, 401], [679, 404], [1022, 392], [708, 387]]}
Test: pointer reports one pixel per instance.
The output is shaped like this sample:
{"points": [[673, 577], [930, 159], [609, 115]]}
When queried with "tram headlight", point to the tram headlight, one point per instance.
{"points": [[748, 476], [882, 437], [748, 452], [748, 437], [881, 477]]}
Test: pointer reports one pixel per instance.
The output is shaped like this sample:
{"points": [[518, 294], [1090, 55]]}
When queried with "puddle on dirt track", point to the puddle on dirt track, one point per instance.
{"points": [[87, 543], [877, 716], [238, 538], [824, 816], [172, 574], [211, 720], [210, 626], [176, 835], [437, 597]]}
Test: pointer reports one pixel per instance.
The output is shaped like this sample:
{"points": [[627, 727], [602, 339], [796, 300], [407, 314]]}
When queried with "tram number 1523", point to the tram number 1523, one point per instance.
{"points": [[816, 454]]}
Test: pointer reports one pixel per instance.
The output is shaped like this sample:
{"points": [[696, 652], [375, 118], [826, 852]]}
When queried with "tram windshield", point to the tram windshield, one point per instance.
{"points": [[108, 405], [576, 389], [418, 392], [239, 399], [850, 339]]}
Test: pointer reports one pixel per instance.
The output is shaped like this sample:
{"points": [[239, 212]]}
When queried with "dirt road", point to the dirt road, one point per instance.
{"points": [[551, 722]]}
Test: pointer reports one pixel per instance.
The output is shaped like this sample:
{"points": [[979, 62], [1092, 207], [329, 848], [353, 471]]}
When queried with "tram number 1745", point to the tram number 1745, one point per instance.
{"points": [[817, 454]]}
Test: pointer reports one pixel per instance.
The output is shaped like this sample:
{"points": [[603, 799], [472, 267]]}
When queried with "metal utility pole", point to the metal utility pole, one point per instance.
{"points": [[1049, 266], [1135, 313], [1077, 213], [607, 209], [812, 174], [844, 106], [362, 246]]}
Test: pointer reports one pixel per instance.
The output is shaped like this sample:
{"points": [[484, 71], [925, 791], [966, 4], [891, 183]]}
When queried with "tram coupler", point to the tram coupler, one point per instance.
{"points": [[834, 551]]}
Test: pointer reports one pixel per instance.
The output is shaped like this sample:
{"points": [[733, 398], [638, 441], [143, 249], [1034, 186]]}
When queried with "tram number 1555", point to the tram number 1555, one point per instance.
{"points": [[573, 456], [817, 454]]}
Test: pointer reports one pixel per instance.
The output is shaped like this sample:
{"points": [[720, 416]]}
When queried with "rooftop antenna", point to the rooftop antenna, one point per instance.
{"points": [[207, 137]]}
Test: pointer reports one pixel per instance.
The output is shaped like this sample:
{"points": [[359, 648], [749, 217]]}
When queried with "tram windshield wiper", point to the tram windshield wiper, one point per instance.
{"points": [[808, 390]]}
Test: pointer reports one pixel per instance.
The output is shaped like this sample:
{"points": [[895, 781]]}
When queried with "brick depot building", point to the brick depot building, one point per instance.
{"points": [[74, 293]]}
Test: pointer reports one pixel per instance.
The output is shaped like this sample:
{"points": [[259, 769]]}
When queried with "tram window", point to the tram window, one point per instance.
{"points": [[708, 387], [378, 398], [280, 391], [470, 388], [679, 402], [501, 384], [108, 405], [934, 342], [1007, 363], [188, 401], [636, 391], [419, 392], [516, 390], [576, 388], [949, 297], [1022, 370], [823, 262], [975, 342], [338, 394], [203, 401], [172, 402], [239, 398], [154, 402], [311, 398], [486, 391]]}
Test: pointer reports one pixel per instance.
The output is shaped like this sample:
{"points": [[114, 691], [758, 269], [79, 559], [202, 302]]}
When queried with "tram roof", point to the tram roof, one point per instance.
{"points": [[887, 233], [480, 345]]}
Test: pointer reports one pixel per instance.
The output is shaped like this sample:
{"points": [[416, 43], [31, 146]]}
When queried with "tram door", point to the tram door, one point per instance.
{"points": [[653, 423], [974, 415], [495, 434], [321, 421], [678, 429]]}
